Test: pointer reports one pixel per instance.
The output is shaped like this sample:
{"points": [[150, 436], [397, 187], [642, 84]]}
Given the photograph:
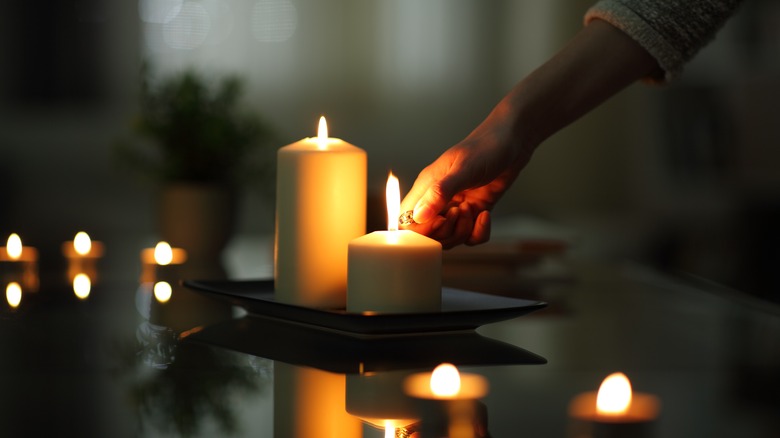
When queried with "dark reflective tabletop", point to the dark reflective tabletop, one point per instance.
{"points": [[122, 363]]}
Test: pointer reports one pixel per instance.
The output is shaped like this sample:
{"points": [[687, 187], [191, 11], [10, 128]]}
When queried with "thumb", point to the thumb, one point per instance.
{"points": [[438, 195]]}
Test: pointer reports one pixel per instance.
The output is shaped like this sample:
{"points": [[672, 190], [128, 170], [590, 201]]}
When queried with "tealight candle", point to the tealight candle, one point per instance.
{"points": [[82, 247], [614, 411], [394, 271], [449, 401], [446, 383], [82, 254], [20, 263], [320, 207], [14, 251], [154, 259]]}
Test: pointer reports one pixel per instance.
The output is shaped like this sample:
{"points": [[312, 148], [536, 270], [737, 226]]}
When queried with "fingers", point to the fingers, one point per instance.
{"points": [[428, 228], [420, 186], [458, 226], [463, 223], [440, 193], [481, 231], [437, 184]]}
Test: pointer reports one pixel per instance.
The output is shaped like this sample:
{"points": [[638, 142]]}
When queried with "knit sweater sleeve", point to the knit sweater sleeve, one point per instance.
{"points": [[672, 31]]}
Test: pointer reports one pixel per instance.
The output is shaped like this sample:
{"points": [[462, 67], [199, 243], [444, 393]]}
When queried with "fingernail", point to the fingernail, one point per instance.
{"points": [[452, 213], [483, 218], [423, 213]]}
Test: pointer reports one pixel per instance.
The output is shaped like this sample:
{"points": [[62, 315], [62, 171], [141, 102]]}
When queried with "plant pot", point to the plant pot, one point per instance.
{"points": [[200, 218]]}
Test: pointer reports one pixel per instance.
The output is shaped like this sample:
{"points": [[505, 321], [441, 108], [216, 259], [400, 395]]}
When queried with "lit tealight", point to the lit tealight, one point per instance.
{"points": [[160, 259], [614, 410], [162, 291], [163, 253], [20, 263], [82, 243], [82, 248], [614, 396], [13, 294], [445, 380], [446, 383], [82, 285], [14, 247]]}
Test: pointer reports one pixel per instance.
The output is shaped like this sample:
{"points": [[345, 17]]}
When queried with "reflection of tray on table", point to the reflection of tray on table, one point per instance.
{"points": [[338, 353], [461, 310]]}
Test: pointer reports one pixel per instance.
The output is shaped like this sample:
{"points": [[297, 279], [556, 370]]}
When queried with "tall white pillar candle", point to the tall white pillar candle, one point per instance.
{"points": [[320, 207], [394, 271]]}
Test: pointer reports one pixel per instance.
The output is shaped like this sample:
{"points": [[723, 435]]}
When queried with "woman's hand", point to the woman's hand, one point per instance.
{"points": [[453, 196]]}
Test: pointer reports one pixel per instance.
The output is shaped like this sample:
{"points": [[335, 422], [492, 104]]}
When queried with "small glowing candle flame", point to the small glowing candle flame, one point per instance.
{"points": [[614, 396], [393, 199], [163, 253], [445, 380], [13, 294], [322, 134], [163, 291], [14, 246], [82, 243], [82, 285]]}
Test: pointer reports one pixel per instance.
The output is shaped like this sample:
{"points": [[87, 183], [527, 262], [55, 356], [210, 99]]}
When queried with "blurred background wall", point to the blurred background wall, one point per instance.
{"points": [[683, 175]]}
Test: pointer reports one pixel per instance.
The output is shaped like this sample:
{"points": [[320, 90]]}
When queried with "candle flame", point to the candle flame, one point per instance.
{"points": [[163, 291], [445, 380], [614, 396], [389, 429], [163, 253], [14, 246], [82, 243], [393, 199], [13, 294], [322, 134], [82, 285]]}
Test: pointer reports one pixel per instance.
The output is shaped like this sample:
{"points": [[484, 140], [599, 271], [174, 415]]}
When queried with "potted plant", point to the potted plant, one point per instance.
{"points": [[201, 146]]}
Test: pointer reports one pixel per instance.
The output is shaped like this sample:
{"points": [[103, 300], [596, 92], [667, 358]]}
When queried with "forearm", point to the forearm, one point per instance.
{"points": [[598, 62]]}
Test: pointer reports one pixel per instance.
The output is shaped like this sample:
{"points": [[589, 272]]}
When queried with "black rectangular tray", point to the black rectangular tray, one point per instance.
{"points": [[460, 310]]}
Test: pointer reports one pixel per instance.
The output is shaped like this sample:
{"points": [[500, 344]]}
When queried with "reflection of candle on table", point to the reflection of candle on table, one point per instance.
{"points": [[311, 403], [20, 263], [162, 291], [395, 270], [320, 207], [154, 259], [13, 294], [377, 399], [82, 285], [613, 411]]}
